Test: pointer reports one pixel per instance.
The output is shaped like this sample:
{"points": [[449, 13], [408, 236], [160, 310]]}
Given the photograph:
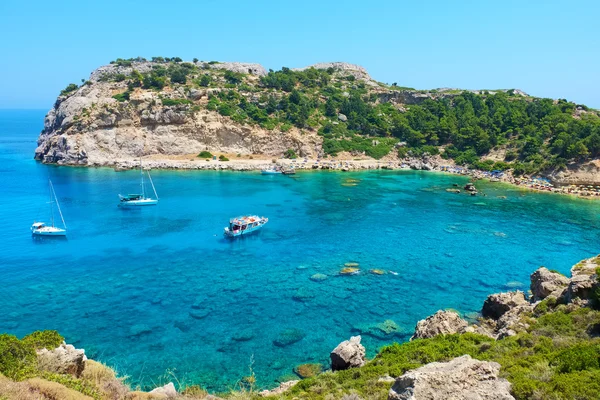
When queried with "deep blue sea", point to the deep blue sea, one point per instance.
{"points": [[158, 293]]}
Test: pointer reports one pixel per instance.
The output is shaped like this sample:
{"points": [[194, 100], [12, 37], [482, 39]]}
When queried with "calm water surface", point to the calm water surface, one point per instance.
{"points": [[157, 291]]}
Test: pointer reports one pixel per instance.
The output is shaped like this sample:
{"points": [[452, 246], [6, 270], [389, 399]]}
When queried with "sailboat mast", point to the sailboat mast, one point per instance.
{"points": [[51, 201], [152, 183], [58, 207]]}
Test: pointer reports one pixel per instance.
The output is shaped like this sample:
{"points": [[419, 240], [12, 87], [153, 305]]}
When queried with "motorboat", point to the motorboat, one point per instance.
{"points": [[244, 225]]}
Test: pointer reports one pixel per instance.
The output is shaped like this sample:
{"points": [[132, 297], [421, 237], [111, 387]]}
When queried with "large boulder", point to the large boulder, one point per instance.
{"points": [[496, 305], [546, 283], [459, 379], [440, 323], [511, 323], [65, 359], [348, 354], [168, 391]]}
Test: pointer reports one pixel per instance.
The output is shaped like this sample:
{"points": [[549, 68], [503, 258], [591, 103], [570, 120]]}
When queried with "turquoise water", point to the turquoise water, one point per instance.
{"points": [[158, 291]]}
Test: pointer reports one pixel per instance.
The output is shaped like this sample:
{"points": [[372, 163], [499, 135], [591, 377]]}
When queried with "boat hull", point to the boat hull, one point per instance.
{"points": [[270, 172], [49, 232], [139, 203], [233, 233]]}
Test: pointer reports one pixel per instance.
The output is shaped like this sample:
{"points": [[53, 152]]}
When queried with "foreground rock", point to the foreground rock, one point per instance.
{"points": [[459, 379], [584, 281], [546, 283], [440, 323], [65, 359], [167, 391], [496, 305], [348, 354]]}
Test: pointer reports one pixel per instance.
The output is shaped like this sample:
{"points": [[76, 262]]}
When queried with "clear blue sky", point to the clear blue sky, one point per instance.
{"points": [[547, 48]]}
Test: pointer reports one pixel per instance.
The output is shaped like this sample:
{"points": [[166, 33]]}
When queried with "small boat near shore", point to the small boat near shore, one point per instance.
{"points": [[41, 229], [270, 171], [244, 225], [289, 171], [139, 199]]}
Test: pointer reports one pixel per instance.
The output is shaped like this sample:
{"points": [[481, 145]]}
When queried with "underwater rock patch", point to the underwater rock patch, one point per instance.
{"points": [[383, 330], [243, 335], [199, 314], [349, 271], [377, 272], [318, 277], [288, 337], [351, 264], [308, 370], [139, 329], [303, 294]]}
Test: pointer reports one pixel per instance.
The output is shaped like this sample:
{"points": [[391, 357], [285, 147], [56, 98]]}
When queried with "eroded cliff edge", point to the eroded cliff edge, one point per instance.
{"points": [[89, 126]]}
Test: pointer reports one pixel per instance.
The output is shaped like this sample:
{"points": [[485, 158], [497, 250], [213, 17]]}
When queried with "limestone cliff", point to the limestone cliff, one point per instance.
{"points": [[90, 127], [170, 108]]}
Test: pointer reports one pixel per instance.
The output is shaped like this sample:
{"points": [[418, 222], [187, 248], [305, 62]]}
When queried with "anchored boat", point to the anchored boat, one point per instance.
{"points": [[41, 229], [137, 200], [244, 225]]}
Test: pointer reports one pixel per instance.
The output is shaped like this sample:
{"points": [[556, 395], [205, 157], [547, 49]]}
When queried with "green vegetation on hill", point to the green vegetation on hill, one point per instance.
{"points": [[530, 134]]}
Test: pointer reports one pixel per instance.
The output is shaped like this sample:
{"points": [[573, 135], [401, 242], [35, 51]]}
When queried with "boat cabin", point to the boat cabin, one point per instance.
{"points": [[131, 197]]}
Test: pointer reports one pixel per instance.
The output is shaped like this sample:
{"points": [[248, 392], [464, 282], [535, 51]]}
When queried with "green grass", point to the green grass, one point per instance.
{"points": [[555, 359]]}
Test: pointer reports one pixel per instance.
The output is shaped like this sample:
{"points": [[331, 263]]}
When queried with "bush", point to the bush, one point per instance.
{"points": [[205, 154], [290, 153], [205, 80], [43, 340], [17, 359], [223, 158], [71, 87], [121, 97], [175, 102], [578, 358]]}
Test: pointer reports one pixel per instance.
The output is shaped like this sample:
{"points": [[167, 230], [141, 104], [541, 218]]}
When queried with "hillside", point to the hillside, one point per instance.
{"points": [[168, 107]]}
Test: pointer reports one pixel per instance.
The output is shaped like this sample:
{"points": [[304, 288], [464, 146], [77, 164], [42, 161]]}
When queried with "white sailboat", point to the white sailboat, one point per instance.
{"points": [[138, 200], [41, 228]]}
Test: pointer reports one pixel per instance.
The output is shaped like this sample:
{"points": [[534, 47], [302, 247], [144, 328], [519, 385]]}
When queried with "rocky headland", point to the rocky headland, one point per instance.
{"points": [[169, 111], [544, 344]]}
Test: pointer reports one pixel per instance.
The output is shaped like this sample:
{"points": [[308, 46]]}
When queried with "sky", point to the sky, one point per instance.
{"points": [[546, 48]]}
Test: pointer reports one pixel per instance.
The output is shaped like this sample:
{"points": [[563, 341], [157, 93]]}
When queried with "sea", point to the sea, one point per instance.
{"points": [[160, 295]]}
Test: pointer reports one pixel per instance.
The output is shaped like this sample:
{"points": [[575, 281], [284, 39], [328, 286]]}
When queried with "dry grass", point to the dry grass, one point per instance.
{"points": [[105, 379], [37, 389]]}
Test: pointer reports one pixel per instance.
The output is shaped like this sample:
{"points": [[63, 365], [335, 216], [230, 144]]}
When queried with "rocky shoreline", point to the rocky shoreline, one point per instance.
{"points": [[425, 163]]}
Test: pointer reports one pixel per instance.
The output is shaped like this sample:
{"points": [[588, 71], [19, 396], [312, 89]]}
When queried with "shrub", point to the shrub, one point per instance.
{"points": [[205, 80], [17, 359], [121, 97], [578, 358], [223, 158], [175, 102], [43, 339], [290, 153], [233, 77], [205, 154], [71, 87]]}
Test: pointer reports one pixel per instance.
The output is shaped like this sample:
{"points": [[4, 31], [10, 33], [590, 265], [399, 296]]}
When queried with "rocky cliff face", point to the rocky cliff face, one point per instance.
{"points": [[90, 127], [116, 116]]}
